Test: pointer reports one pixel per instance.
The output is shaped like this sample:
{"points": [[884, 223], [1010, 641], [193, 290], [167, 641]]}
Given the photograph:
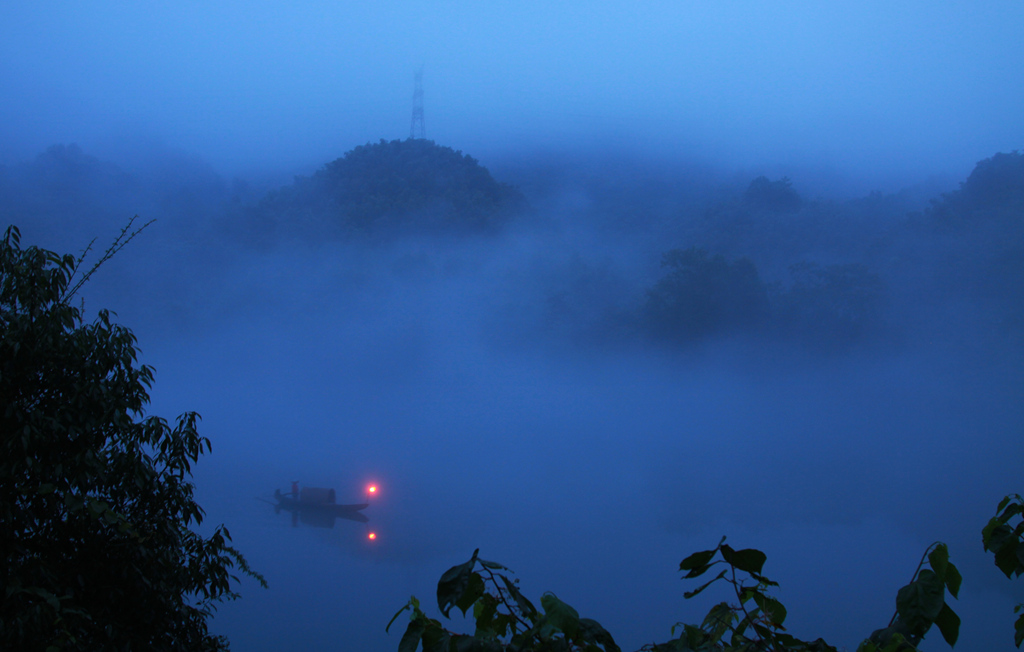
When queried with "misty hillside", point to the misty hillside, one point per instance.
{"points": [[757, 260], [979, 235], [66, 189], [687, 337], [410, 186]]}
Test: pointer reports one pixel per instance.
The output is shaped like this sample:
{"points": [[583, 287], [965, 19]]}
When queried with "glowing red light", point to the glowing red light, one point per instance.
{"points": [[372, 489], [371, 536]]}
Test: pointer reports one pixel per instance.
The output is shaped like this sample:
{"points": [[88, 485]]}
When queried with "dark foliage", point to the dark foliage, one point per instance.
{"points": [[994, 191], [1003, 536], [776, 233], [404, 185], [95, 498], [832, 305], [979, 235], [703, 294], [996, 181], [773, 195], [66, 192], [506, 621]]}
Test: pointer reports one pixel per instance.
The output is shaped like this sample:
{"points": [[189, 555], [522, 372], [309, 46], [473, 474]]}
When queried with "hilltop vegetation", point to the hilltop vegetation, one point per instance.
{"points": [[398, 186]]}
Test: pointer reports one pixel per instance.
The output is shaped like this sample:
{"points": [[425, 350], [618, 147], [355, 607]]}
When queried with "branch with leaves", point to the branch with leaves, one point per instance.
{"points": [[505, 619], [1004, 540], [755, 622]]}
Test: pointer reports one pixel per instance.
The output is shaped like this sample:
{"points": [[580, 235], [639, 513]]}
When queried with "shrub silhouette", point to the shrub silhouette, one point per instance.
{"points": [[773, 195], [703, 295]]}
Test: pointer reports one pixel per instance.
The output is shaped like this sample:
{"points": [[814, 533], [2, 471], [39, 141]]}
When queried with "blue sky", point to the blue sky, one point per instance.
{"points": [[908, 88]]}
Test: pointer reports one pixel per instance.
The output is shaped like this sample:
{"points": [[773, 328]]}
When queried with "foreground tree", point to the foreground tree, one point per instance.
{"points": [[1004, 538], [507, 622], [96, 498]]}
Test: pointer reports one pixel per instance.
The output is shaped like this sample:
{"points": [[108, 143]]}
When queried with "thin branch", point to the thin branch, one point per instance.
{"points": [[504, 601], [736, 587], [119, 243]]}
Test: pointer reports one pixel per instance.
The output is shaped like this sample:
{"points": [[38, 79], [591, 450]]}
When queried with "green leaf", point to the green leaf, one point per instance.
{"points": [[999, 536], [690, 594], [435, 638], [1018, 636], [707, 554], [748, 619], [504, 624], [949, 624], [560, 615], [789, 642], [1003, 503], [525, 606], [772, 608], [464, 643], [411, 638], [491, 565], [454, 583], [953, 580], [747, 560], [472, 592], [697, 563], [1008, 510], [919, 603], [591, 630], [484, 612], [718, 621], [1006, 558], [989, 531], [938, 558]]}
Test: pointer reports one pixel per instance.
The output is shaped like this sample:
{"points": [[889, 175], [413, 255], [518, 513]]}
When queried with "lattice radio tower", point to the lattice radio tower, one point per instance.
{"points": [[418, 130]]}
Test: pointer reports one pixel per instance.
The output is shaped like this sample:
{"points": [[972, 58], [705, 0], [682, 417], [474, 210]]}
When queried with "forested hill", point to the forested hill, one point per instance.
{"points": [[994, 190], [402, 186]]}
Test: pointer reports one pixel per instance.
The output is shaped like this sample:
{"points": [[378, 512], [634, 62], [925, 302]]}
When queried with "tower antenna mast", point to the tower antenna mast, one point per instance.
{"points": [[418, 130]]}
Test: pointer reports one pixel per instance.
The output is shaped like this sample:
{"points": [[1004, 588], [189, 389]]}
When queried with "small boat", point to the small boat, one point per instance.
{"points": [[316, 507]]}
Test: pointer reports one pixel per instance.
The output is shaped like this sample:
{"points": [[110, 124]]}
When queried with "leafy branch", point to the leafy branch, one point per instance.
{"points": [[1004, 540], [505, 619], [754, 623], [921, 604]]}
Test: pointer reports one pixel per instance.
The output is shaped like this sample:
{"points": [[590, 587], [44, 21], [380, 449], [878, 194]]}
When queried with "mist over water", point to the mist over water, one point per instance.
{"points": [[547, 385], [485, 384]]}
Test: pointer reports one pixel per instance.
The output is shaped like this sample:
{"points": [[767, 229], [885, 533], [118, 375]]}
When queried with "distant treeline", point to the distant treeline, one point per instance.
{"points": [[838, 273], [748, 260]]}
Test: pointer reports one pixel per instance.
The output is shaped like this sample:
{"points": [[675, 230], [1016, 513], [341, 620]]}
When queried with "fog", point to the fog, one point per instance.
{"points": [[869, 91], [520, 389]]}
